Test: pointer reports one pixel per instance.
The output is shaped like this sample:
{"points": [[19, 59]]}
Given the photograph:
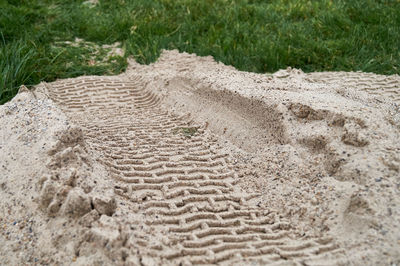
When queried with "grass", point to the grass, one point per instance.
{"points": [[15, 67], [186, 131], [252, 35]]}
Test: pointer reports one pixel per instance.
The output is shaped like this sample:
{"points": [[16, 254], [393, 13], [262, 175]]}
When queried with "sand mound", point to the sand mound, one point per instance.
{"points": [[188, 161]]}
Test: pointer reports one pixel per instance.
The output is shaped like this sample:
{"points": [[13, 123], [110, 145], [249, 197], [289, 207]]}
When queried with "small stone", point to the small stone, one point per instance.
{"points": [[379, 179], [314, 201]]}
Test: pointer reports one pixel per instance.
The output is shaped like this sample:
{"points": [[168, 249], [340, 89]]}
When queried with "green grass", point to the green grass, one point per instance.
{"points": [[15, 67], [252, 35], [186, 131]]}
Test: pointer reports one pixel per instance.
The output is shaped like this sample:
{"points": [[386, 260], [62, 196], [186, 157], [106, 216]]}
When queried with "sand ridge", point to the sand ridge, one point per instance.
{"points": [[188, 161]]}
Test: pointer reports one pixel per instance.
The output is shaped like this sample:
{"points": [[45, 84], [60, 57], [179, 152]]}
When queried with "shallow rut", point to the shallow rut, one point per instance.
{"points": [[178, 178]]}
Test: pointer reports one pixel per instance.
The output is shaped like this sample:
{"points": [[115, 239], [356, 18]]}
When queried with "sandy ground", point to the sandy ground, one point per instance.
{"points": [[188, 161]]}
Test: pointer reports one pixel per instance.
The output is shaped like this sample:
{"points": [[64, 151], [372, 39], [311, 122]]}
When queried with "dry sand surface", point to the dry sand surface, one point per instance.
{"points": [[187, 161]]}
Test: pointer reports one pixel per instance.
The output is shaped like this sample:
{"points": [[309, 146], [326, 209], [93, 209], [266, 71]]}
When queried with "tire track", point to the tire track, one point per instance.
{"points": [[179, 179], [374, 84]]}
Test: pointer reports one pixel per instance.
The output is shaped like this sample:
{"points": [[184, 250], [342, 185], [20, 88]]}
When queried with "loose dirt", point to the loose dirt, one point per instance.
{"points": [[187, 161]]}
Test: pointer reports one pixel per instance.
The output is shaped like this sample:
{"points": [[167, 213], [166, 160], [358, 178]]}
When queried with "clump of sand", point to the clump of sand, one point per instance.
{"points": [[282, 168]]}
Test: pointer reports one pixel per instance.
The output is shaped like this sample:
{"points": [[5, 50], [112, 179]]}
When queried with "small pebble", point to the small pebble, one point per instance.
{"points": [[314, 201]]}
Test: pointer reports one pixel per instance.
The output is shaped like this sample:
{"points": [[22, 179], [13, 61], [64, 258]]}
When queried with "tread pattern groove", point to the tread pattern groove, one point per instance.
{"points": [[183, 185]]}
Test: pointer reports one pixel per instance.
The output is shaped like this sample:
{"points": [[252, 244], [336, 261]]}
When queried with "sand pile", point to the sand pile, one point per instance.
{"points": [[188, 161]]}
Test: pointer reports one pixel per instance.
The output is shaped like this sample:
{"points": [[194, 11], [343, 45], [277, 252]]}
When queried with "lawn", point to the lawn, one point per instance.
{"points": [[38, 37]]}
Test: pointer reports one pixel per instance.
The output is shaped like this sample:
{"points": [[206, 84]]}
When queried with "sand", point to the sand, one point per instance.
{"points": [[188, 161]]}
